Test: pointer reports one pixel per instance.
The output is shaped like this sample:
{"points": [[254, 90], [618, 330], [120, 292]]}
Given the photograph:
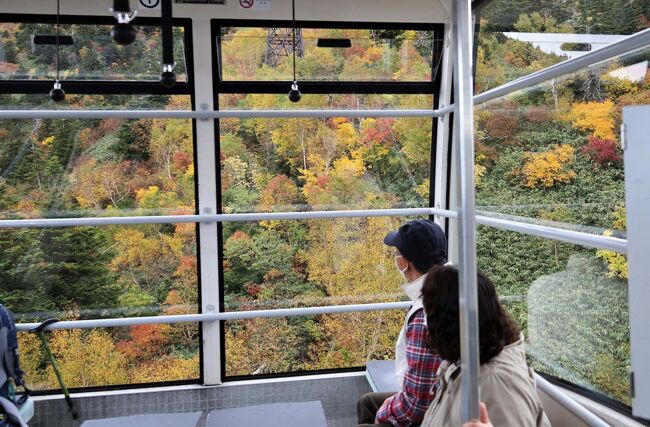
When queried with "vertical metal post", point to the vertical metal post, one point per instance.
{"points": [[207, 170], [464, 129], [636, 150], [442, 145]]}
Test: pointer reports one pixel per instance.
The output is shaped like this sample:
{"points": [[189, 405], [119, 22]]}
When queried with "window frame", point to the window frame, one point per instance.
{"points": [[220, 87], [125, 87]]}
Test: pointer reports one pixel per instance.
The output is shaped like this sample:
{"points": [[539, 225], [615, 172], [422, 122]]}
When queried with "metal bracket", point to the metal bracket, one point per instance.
{"points": [[204, 107], [206, 211]]}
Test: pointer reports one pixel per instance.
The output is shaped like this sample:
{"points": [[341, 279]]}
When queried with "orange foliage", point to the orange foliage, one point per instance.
{"points": [[378, 131], [146, 342], [548, 168], [280, 193]]}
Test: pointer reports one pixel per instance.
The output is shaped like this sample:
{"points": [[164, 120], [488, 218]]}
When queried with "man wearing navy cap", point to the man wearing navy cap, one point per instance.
{"points": [[420, 245]]}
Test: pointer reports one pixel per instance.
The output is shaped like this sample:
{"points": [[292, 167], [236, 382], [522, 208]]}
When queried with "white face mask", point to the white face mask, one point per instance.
{"points": [[402, 272]]}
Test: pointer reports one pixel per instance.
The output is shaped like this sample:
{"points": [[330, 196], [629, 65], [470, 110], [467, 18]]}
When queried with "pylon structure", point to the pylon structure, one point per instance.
{"points": [[279, 43]]}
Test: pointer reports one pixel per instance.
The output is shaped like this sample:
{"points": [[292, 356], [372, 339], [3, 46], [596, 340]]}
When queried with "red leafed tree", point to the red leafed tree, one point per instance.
{"points": [[601, 151], [379, 131], [146, 341]]}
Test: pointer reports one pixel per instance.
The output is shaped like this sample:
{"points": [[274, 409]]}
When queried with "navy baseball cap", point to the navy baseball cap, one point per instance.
{"points": [[418, 239]]}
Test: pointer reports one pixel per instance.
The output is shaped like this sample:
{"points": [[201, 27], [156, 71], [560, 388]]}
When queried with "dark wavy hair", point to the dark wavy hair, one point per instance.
{"points": [[424, 264], [440, 297]]}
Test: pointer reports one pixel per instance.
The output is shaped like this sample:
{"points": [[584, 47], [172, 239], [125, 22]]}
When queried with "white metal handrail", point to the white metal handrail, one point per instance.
{"points": [[207, 114], [560, 234], [211, 317], [236, 217], [569, 403], [569, 236], [231, 315], [621, 47]]}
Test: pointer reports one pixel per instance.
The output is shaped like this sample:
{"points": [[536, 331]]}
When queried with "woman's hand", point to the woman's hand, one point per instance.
{"points": [[484, 422]]}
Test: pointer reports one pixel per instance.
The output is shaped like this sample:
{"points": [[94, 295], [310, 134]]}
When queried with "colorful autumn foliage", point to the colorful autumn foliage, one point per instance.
{"points": [[548, 168], [595, 117], [601, 151]]}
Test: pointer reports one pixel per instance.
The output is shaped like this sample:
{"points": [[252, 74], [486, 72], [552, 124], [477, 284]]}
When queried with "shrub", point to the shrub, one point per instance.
{"points": [[601, 151], [548, 168], [596, 117]]}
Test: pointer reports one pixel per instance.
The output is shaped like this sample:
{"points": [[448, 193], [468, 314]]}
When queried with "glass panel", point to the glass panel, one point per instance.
{"points": [[59, 168], [267, 346], [324, 164], [104, 272], [374, 55], [551, 154], [572, 303], [93, 56], [283, 264], [70, 168], [517, 38], [112, 356]]}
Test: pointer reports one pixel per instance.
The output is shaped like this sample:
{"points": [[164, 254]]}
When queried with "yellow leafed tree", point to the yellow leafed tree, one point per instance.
{"points": [[86, 358], [548, 168], [595, 117]]}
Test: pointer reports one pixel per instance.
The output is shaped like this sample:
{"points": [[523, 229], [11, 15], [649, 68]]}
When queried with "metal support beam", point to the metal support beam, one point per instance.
{"points": [[207, 169], [464, 129]]}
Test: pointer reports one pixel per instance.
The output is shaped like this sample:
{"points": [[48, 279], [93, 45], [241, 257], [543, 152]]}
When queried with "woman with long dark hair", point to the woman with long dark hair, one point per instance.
{"points": [[506, 383]]}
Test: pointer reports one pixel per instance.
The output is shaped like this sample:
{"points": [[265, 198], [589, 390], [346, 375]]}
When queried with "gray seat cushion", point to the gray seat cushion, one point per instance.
{"points": [[381, 375], [183, 419], [292, 414]]}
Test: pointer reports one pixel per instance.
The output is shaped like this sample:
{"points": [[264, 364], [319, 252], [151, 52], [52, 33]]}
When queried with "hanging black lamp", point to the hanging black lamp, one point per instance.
{"points": [[57, 94], [167, 76], [123, 32], [294, 93]]}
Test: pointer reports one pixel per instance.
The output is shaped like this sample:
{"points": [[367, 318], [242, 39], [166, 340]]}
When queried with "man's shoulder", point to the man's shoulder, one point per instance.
{"points": [[417, 318]]}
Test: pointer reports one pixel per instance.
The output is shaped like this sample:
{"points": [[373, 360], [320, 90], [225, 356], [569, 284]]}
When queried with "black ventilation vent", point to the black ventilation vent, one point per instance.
{"points": [[50, 39], [334, 43]]}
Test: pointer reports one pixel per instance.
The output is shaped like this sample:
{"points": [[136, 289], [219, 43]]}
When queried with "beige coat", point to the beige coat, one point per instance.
{"points": [[507, 387]]}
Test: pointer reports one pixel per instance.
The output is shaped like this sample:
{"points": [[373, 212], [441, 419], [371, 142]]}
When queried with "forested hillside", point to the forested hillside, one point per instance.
{"points": [[549, 155]]}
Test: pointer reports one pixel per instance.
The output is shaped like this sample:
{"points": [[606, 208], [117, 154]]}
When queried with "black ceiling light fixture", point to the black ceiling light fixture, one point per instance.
{"points": [[294, 93], [57, 94], [123, 32], [167, 77]]}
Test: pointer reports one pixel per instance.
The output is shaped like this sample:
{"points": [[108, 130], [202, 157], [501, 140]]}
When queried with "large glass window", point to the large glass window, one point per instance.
{"points": [[551, 155], [88, 168], [275, 165], [93, 55], [371, 55], [517, 38]]}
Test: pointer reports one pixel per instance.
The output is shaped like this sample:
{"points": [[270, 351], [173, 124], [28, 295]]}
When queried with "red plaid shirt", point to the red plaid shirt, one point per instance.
{"points": [[419, 387]]}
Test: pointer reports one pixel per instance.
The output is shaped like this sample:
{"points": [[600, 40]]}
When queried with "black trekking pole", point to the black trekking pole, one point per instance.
{"points": [[39, 330]]}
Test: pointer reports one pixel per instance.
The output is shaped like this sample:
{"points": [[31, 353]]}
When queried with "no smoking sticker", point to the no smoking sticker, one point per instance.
{"points": [[255, 4]]}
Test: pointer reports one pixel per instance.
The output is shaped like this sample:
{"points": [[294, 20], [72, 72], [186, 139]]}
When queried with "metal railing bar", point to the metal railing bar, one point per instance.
{"points": [[621, 47], [233, 315], [237, 217], [628, 44], [560, 234], [569, 403], [208, 114], [574, 237], [211, 317]]}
